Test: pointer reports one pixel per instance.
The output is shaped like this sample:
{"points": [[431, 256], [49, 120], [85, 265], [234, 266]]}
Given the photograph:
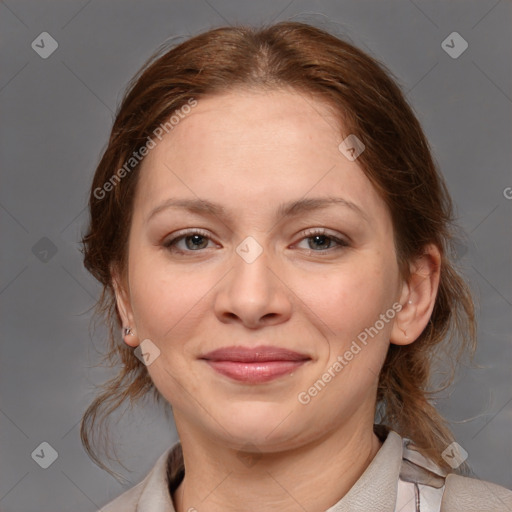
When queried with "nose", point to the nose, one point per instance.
{"points": [[253, 293]]}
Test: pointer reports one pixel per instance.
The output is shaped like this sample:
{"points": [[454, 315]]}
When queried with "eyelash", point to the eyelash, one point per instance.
{"points": [[310, 233]]}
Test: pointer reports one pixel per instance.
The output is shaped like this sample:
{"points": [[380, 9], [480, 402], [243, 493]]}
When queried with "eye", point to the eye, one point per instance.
{"points": [[193, 241], [319, 238]]}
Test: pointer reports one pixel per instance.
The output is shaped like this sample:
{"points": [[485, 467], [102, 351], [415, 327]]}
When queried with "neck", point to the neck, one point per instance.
{"points": [[219, 479]]}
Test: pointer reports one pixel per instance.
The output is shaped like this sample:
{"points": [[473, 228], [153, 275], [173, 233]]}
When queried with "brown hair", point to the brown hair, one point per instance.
{"points": [[397, 160]]}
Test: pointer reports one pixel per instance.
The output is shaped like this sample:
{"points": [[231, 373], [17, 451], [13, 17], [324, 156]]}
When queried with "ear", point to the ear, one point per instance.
{"points": [[124, 308], [418, 297]]}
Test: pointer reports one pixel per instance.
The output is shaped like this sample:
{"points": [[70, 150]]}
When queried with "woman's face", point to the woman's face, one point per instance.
{"points": [[264, 257]]}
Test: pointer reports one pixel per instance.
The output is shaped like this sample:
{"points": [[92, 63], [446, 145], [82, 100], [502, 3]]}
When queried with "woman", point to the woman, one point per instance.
{"points": [[273, 240]]}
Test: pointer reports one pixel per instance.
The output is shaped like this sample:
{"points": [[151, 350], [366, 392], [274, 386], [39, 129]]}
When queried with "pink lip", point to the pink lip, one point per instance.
{"points": [[258, 364]]}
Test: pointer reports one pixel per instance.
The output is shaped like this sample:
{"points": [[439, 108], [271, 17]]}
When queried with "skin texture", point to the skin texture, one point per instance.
{"points": [[251, 151]]}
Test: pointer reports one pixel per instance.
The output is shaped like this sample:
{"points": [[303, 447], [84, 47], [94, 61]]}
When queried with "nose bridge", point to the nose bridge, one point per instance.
{"points": [[251, 291], [250, 278]]}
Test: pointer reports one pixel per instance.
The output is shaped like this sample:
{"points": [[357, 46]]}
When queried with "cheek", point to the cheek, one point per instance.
{"points": [[164, 302], [351, 298]]}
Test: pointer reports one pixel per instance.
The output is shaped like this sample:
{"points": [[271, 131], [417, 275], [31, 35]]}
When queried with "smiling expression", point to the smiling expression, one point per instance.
{"points": [[252, 229]]}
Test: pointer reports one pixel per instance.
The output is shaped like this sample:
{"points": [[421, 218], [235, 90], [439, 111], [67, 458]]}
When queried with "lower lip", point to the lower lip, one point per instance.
{"points": [[261, 371]]}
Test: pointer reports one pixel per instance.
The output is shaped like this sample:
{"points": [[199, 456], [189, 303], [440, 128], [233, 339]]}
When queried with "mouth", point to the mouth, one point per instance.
{"points": [[254, 365]]}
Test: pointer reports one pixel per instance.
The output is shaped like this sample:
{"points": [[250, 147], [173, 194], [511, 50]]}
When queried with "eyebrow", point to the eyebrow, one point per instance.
{"points": [[285, 210]]}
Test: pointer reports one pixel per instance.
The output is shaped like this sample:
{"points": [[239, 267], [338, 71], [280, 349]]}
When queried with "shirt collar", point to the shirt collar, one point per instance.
{"points": [[376, 488], [374, 491]]}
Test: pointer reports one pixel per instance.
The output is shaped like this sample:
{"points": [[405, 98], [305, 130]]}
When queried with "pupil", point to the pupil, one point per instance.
{"points": [[195, 239], [324, 237]]}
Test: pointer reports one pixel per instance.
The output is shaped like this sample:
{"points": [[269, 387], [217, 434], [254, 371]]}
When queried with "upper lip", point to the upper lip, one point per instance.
{"points": [[254, 354]]}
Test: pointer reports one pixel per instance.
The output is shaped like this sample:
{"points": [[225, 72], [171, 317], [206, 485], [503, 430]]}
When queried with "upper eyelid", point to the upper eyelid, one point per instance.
{"points": [[186, 232], [329, 233], [306, 233]]}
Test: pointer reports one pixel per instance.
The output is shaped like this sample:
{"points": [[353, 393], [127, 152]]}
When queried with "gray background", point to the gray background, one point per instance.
{"points": [[56, 117]]}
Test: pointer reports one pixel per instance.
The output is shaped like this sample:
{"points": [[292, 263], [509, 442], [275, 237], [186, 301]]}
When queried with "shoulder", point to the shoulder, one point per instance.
{"points": [[151, 494], [473, 495], [421, 480], [127, 502]]}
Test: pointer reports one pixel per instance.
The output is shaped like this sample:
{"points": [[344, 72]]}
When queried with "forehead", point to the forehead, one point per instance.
{"points": [[249, 149]]}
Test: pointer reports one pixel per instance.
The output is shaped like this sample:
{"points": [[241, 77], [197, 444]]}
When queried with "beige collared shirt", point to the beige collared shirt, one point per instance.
{"points": [[399, 479]]}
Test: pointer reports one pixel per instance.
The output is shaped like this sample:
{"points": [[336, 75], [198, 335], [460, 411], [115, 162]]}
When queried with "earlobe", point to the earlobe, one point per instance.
{"points": [[418, 297], [401, 333], [125, 312], [130, 337]]}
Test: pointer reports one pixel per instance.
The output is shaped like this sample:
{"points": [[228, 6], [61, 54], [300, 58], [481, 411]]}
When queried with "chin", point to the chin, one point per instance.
{"points": [[264, 424]]}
